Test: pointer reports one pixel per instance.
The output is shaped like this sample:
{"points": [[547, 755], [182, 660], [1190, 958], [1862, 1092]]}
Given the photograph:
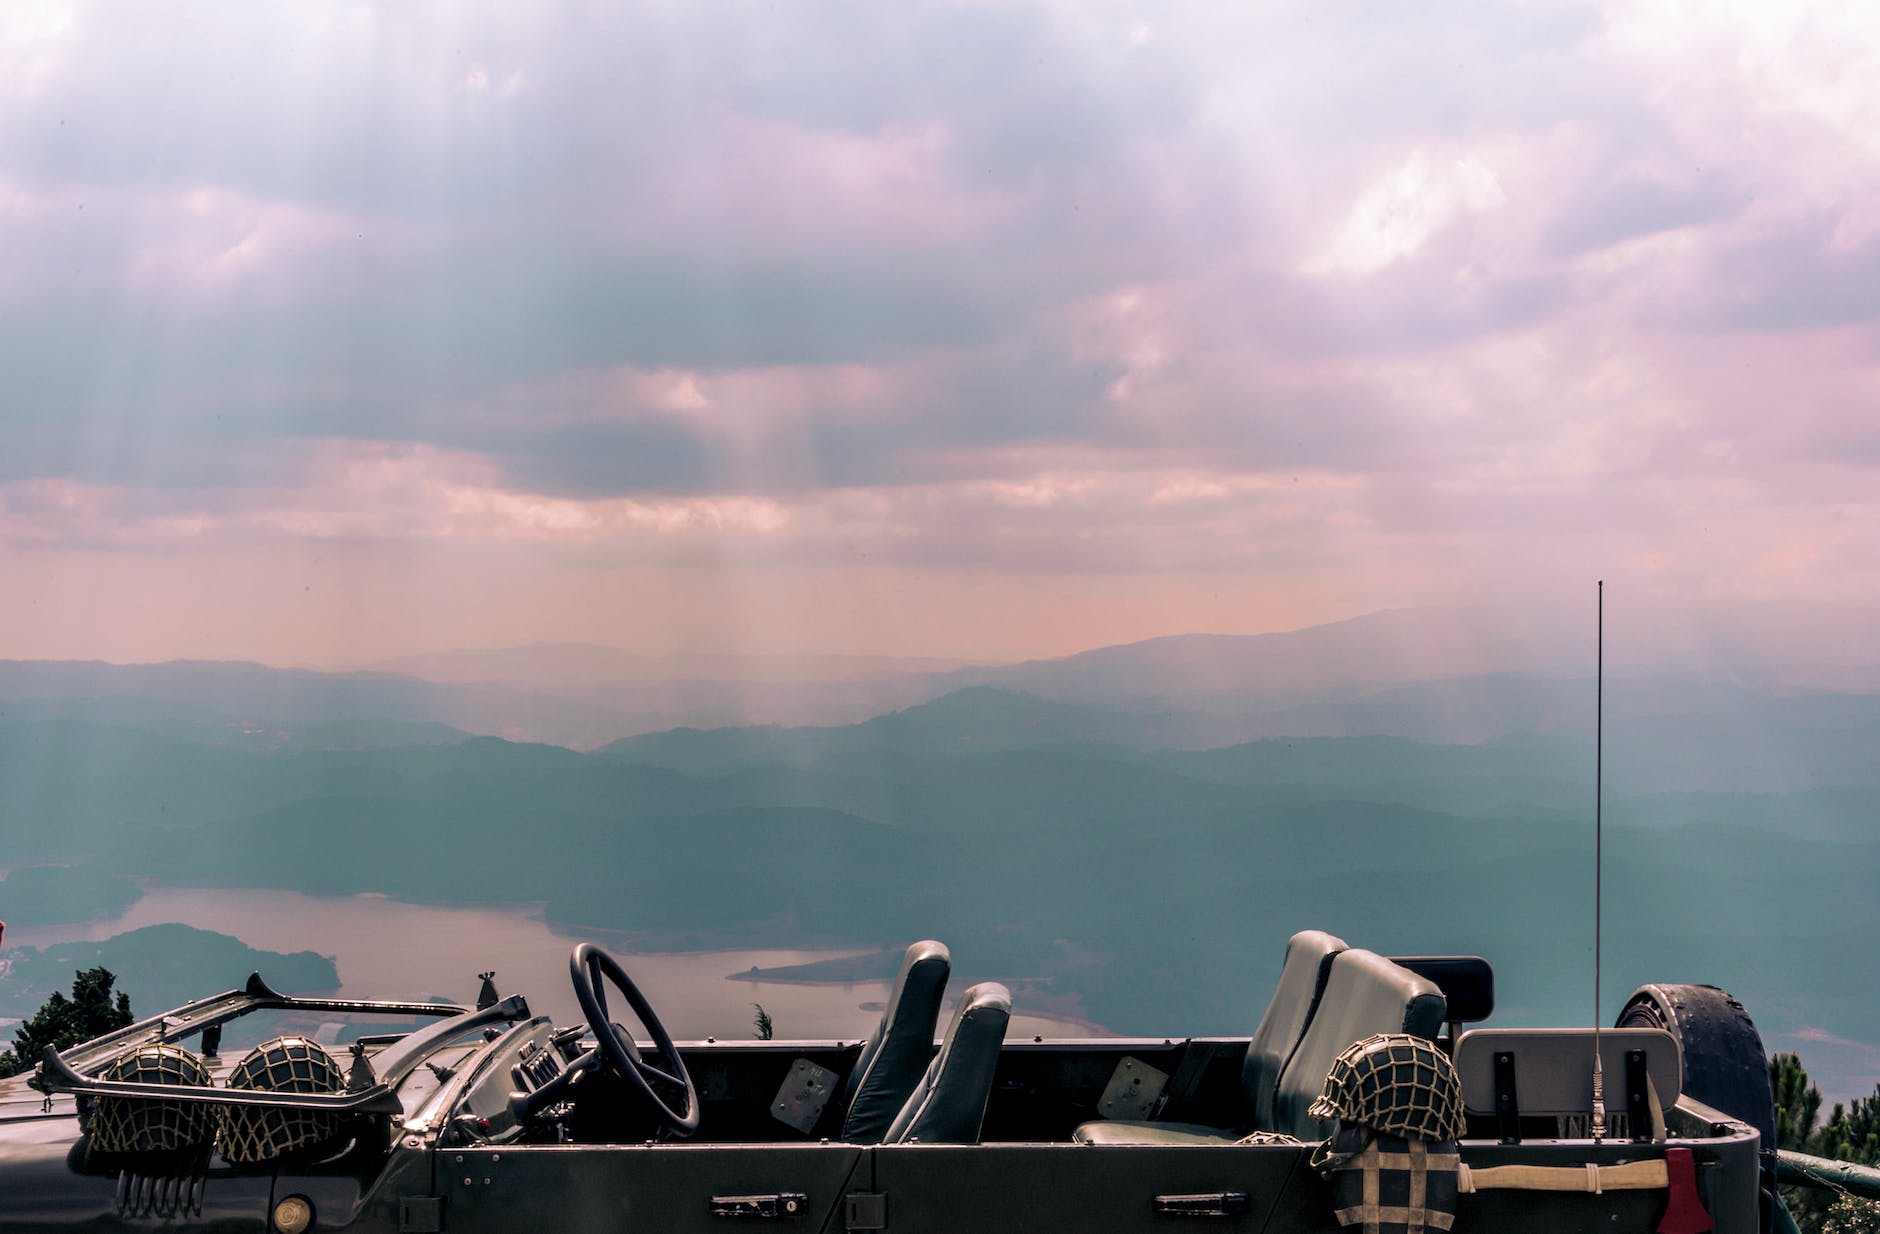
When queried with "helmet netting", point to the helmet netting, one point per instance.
{"points": [[283, 1065], [1395, 1084], [143, 1125]]}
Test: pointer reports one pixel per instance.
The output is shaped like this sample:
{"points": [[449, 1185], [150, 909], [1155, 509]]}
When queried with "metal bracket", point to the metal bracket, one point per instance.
{"points": [[806, 1089], [1507, 1103], [420, 1214], [865, 1210], [1133, 1090], [1638, 1102]]}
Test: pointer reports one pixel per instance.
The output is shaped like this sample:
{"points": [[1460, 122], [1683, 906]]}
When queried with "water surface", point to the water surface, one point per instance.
{"points": [[388, 948]]}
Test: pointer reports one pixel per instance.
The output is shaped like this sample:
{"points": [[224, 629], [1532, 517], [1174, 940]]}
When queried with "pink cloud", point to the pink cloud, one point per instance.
{"points": [[1082, 322]]}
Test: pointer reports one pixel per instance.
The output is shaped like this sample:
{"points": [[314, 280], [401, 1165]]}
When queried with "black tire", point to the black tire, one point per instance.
{"points": [[1724, 1063]]}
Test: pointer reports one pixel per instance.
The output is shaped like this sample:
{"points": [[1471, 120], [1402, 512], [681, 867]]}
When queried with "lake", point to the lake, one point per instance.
{"points": [[388, 948]]}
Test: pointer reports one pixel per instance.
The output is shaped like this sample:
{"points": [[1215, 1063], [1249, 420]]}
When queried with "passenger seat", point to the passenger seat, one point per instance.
{"points": [[1365, 994], [1302, 978]]}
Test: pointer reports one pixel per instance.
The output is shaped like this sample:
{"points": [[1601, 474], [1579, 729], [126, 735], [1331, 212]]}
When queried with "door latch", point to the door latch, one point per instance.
{"points": [[1204, 1204], [781, 1204]]}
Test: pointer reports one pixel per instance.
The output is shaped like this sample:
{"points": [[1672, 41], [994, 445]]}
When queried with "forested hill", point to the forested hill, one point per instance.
{"points": [[1150, 886]]}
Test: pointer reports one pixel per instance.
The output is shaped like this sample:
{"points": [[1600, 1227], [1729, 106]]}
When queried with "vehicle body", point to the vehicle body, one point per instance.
{"points": [[492, 1119]]}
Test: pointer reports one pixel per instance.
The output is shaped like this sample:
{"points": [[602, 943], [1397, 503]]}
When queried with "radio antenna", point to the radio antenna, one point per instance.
{"points": [[1599, 751]]}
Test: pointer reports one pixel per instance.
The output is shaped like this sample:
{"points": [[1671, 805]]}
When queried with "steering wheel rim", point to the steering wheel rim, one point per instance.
{"points": [[587, 966]]}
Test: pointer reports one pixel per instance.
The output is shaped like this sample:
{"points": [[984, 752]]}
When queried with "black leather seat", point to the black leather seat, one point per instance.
{"points": [[1302, 978], [949, 1105], [894, 1059], [1301, 983], [1365, 994]]}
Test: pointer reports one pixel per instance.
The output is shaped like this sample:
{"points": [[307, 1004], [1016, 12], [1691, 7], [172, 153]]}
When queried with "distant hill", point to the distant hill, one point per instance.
{"points": [[1100, 849], [167, 721], [1136, 829], [973, 720], [254, 696], [1465, 673], [1765, 644], [160, 967], [54, 895], [587, 667]]}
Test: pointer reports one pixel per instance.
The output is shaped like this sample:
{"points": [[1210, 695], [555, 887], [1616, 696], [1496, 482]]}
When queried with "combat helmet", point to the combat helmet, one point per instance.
{"points": [[283, 1065], [1394, 1084], [146, 1125]]}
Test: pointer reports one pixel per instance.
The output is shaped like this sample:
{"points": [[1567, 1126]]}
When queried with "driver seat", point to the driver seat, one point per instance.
{"points": [[890, 1065]]}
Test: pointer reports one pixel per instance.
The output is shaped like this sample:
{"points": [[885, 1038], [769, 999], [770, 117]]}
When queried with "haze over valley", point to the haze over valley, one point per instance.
{"points": [[1128, 834]]}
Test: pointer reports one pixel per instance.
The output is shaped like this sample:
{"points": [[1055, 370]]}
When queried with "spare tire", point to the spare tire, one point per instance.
{"points": [[1724, 1064]]}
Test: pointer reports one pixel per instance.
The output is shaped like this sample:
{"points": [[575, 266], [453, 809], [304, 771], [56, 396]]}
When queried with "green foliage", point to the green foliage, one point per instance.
{"points": [[63, 1022], [1798, 1103], [1852, 1133], [761, 1022], [1851, 1215]]}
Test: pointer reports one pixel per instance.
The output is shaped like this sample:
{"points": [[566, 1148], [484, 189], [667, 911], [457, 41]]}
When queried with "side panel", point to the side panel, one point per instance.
{"points": [[49, 1181], [1079, 1188], [1084, 1189], [638, 1189], [1727, 1174]]}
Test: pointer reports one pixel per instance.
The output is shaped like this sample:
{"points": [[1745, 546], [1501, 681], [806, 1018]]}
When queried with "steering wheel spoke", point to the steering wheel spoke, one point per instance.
{"points": [[591, 970], [654, 1074]]}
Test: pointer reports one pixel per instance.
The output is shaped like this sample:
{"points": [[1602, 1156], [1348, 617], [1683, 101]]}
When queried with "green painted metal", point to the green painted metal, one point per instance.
{"points": [[1802, 1170]]}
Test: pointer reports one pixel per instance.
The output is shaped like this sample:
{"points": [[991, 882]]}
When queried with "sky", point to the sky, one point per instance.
{"points": [[332, 332]]}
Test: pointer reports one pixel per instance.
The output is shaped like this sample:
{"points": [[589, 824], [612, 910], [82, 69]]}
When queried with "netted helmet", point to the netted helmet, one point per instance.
{"points": [[1394, 1084], [144, 1125], [283, 1065]]}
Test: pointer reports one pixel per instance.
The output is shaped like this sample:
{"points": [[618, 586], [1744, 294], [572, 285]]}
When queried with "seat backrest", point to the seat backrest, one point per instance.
{"points": [[950, 1104], [891, 1063], [1365, 994], [1553, 1067], [1301, 981]]}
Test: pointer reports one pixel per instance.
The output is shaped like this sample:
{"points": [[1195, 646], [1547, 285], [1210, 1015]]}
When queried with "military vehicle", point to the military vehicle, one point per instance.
{"points": [[488, 1118]]}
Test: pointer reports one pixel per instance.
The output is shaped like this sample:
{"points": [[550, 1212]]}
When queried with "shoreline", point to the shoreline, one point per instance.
{"points": [[852, 969], [820, 963]]}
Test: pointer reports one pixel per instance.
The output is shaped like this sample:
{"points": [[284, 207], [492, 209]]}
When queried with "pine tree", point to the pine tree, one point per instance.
{"points": [[62, 1021], [1798, 1103], [1852, 1133]]}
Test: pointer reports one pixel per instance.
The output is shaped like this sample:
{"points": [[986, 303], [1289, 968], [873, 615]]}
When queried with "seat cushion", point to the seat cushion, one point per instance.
{"points": [[1151, 1133]]}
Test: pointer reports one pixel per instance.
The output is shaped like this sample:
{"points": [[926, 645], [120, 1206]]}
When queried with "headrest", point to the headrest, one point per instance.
{"points": [[1467, 983]]}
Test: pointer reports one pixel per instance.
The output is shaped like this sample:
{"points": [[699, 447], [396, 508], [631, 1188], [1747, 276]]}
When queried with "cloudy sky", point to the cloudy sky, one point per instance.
{"points": [[336, 332]]}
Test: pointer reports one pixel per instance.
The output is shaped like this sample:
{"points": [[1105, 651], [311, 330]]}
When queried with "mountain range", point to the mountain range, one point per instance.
{"points": [[1457, 674], [1136, 832]]}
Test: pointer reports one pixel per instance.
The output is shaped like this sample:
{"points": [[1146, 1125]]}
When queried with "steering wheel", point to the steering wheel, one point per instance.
{"points": [[618, 1051]]}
